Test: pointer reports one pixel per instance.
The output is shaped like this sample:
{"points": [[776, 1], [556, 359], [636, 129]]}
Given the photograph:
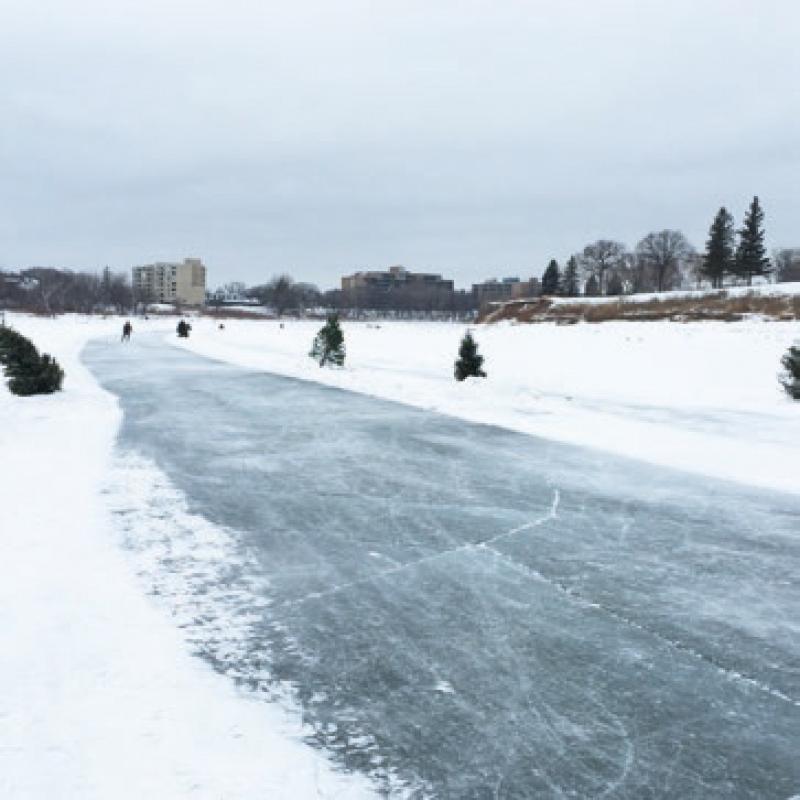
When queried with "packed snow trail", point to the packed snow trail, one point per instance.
{"points": [[462, 611]]}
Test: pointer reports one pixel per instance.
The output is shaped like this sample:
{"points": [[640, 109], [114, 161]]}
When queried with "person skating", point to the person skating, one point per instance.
{"points": [[127, 329]]}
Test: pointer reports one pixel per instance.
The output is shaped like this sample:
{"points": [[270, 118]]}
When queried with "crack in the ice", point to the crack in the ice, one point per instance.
{"points": [[563, 588], [550, 515]]}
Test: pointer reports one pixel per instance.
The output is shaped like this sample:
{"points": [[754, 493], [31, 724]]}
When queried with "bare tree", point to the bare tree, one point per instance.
{"points": [[666, 255], [51, 288], [694, 269], [283, 294], [787, 264], [600, 257], [278, 293]]}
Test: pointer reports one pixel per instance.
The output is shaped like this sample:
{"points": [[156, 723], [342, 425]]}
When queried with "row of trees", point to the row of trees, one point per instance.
{"points": [[745, 260], [665, 260], [662, 260], [283, 294], [55, 291]]}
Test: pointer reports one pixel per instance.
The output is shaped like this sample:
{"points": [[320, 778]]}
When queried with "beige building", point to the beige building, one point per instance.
{"points": [[167, 282], [529, 288], [493, 290]]}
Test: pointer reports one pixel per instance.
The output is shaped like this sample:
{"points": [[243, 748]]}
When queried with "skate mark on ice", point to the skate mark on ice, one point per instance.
{"points": [[576, 597], [463, 548]]}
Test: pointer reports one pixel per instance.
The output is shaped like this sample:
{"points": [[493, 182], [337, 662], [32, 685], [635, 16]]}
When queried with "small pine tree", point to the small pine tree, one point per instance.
{"points": [[719, 260], [551, 278], [28, 372], [469, 363], [328, 346], [791, 379], [751, 254], [569, 280]]}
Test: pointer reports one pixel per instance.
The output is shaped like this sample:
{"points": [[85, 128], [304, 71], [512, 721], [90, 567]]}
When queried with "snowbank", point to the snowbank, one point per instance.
{"points": [[789, 289], [100, 697], [701, 397]]}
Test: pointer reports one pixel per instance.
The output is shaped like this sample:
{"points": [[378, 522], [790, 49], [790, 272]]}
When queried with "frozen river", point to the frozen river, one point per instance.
{"points": [[473, 613]]}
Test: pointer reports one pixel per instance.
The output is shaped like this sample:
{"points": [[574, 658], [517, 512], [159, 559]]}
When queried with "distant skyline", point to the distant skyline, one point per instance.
{"points": [[474, 139]]}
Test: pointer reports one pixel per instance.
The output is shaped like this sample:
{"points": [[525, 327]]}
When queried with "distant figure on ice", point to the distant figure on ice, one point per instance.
{"points": [[127, 329], [183, 329]]}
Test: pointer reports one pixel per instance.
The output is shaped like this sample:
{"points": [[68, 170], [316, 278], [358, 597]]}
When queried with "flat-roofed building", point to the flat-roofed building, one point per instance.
{"points": [[493, 290], [396, 277], [529, 288], [172, 282], [398, 288]]}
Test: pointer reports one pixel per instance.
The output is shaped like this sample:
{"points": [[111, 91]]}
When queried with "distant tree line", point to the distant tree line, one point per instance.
{"points": [[285, 296], [665, 260], [47, 290], [661, 261]]}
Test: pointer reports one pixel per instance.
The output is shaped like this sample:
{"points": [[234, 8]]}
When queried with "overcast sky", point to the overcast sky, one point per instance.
{"points": [[476, 139]]}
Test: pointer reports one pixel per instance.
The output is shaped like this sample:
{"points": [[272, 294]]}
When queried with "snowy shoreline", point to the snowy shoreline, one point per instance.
{"points": [[103, 698], [699, 397]]}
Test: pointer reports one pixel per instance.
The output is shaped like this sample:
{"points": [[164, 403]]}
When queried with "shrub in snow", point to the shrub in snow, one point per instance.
{"points": [[28, 372], [791, 379], [469, 363], [328, 344]]}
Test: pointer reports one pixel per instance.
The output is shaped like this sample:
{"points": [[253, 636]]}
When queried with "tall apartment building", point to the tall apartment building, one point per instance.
{"points": [[172, 282]]}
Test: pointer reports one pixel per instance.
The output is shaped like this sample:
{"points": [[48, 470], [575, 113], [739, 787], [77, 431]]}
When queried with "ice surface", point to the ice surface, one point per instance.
{"points": [[99, 697], [469, 611], [700, 397]]}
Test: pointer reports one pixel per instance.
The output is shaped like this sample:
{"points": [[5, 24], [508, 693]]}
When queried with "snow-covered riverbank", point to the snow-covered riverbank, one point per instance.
{"points": [[702, 397], [100, 697]]}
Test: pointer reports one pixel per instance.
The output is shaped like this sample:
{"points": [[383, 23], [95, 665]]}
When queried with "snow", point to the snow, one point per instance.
{"points": [[761, 289], [701, 397], [100, 697]]}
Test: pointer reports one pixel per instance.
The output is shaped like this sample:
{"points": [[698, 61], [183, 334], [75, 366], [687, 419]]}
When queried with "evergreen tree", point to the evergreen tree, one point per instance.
{"points": [[569, 280], [328, 344], [469, 362], [27, 371], [551, 278], [791, 379], [592, 288], [718, 260], [751, 254]]}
